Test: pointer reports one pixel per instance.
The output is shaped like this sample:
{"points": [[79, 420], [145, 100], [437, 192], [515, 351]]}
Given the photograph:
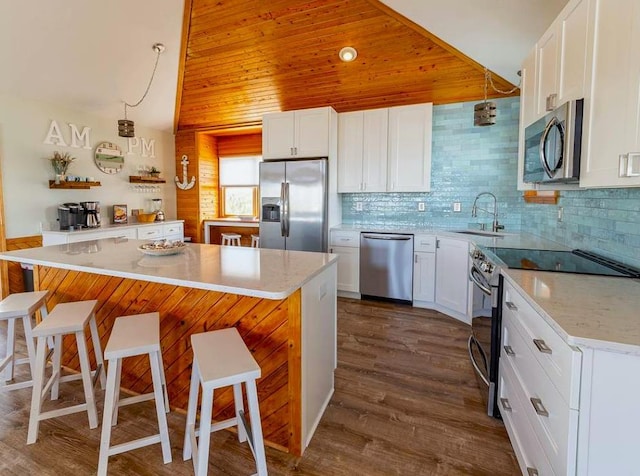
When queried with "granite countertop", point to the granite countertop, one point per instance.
{"points": [[505, 240], [264, 273], [110, 226], [591, 311]]}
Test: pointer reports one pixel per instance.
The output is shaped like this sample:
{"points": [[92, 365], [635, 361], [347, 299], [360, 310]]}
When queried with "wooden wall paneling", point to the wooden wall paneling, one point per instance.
{"points": [[15, 282], [295, 374], [186, 21], [250, 57], [187, 201], [208, 180], [246, 144], [269, 328]]}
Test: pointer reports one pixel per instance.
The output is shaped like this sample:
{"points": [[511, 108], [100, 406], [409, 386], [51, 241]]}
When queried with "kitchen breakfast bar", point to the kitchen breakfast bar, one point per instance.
{"points": [[283, 303]]}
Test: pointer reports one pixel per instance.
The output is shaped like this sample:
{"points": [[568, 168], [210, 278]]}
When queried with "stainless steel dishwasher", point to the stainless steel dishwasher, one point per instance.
{"points": [[386, 266]]}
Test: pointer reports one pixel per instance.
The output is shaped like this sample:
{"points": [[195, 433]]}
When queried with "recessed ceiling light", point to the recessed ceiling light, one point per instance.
{"points": [[348, 54]]}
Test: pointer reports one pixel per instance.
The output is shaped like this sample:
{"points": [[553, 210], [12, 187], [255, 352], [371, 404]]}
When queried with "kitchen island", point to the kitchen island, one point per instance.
{"points": [[283, 303]]}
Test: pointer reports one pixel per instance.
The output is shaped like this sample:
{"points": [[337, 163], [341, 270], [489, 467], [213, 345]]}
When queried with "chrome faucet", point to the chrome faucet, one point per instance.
{"points": [[474, 210]]}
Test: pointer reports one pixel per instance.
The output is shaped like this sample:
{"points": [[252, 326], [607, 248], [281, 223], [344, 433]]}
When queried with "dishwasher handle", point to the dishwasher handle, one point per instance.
{"points": [[387, 237]]}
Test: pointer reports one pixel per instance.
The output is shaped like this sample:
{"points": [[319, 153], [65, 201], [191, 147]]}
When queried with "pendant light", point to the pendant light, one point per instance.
{"points": [[484, 113], [126, 126]]}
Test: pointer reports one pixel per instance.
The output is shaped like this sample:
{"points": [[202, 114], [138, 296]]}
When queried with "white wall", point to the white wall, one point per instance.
{"points": [[29, 204]]}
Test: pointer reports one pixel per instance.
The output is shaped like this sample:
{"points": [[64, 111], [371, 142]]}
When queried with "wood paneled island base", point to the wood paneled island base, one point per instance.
{"points": [[283, 303], [270, 329]]}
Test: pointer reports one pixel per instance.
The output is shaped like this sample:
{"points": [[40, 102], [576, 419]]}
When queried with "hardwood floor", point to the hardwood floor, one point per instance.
{"points": [[406, 403]]}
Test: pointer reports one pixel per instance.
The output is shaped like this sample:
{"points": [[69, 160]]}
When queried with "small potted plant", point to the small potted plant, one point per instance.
{"points": [[155, 173], [60, 163]]}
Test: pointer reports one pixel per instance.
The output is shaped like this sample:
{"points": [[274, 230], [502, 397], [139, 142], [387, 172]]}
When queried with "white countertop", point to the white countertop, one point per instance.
{"points": [[506, 240], [592, 311], [264, 273], [110, 226]]}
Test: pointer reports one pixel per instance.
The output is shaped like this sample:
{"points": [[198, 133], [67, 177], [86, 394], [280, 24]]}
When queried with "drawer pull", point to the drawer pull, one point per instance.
{"points": [[511, 306], [532, 471], [539, 407], [509, 350], [542, 346], [506, 406]]}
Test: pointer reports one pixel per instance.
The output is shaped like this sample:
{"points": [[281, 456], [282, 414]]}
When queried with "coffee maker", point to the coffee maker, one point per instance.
{"points": [[71, 216], [91, 214]]}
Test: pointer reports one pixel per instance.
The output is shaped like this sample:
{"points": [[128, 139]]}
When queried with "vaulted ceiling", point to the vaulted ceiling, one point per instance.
{"points": [[243, 58]]}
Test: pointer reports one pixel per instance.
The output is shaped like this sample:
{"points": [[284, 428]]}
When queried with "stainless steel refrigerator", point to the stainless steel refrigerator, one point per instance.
{"points": [[293, 205]]}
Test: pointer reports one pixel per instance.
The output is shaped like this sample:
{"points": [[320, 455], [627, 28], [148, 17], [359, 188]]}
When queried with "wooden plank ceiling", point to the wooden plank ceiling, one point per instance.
{"points": [[244, 58]]}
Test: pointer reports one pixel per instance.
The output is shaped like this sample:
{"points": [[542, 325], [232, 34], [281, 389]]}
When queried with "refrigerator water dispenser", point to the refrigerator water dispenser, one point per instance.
{"points": [[270, 211]]}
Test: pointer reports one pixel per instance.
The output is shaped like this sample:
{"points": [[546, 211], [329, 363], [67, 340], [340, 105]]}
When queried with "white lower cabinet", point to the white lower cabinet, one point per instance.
{"points": [[452, 277], [346, 244], [173, 230], [424, 277], [569, 410]]}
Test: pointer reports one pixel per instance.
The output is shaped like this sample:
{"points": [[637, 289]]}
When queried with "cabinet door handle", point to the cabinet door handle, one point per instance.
{"points": [[532, 471], [415, 258], [511, 306], [364, 186], [509, 350], [290, 150], [539, 407], [506, 406], [295, 151], [542, 346], [551, 101]]}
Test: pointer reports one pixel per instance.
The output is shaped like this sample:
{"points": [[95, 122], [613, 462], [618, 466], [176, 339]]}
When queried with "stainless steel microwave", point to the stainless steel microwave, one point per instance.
{"points": [[553, 145]]}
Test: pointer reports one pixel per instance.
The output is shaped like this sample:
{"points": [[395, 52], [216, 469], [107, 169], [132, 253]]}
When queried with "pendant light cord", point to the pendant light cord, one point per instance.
{"points": [[487, 77], [158, 48]]}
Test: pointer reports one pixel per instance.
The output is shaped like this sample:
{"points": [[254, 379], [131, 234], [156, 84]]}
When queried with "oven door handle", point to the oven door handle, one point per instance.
{"points": [[473, 276], [473, 360], [544, 160]]}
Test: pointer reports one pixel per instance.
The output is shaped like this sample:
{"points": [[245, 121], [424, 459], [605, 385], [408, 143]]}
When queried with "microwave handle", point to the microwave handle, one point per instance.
{"points": [[543, 140]]}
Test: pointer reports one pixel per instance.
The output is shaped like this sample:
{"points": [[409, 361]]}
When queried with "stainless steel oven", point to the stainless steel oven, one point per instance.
{"points": [[485, 330]]}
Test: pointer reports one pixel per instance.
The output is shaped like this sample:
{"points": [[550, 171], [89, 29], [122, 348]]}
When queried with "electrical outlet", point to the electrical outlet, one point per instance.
{"points": [[560, 214], [358, 206], [457, 207], [421, 206]]}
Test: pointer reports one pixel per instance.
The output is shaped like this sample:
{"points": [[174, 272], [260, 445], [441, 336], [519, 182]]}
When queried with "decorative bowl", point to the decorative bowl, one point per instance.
{"points": [[146, 217], [162, 248]]}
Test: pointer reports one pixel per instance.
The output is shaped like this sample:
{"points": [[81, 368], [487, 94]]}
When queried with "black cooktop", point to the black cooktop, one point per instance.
{"points": [[576, 261]]}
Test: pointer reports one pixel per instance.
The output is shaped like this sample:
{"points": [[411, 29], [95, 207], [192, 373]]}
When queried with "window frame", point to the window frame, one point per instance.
{"points": [[254, 200]]}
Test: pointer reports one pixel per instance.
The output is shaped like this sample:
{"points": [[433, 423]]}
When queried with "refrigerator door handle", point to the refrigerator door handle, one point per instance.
{"points": [[286, 209], [283, 210]]}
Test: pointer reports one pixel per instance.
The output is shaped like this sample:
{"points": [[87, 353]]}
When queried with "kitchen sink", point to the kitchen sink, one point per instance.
{"points": [[492, 234]]}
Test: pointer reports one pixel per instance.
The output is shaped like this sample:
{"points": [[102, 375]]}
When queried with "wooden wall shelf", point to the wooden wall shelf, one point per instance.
{"points": [[74, 185], [145, 179], [547, 197]]}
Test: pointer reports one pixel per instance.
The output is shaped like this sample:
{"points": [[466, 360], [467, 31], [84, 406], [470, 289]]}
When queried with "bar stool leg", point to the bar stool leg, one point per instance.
{"points": [[36, 395], [97, 350], [31, 348], [85, 368], [256, 428], [11, 349], [160, 408], [116, 399], [164, 383], [190, 427], [239, 404], [201, 463], [113, 384], [57, 366]]}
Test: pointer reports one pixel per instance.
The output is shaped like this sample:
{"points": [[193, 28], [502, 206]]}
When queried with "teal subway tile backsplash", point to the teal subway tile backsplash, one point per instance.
{"points": [[466, 160], [606, 221]]}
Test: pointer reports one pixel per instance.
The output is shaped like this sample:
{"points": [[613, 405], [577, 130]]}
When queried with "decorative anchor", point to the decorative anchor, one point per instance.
{"points": [[184, 185]]}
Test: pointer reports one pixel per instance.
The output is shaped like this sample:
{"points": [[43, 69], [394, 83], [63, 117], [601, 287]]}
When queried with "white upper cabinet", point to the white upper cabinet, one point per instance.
{"points": [[296, 134], [528, 89], [410, 148], [613, 153], [560, 60], [362, 151]]}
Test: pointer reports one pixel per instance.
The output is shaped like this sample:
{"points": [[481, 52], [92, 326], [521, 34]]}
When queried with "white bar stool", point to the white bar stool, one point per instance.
{"points": [[132, 336], [13, 307], [66, 318], [231, 239], [255, 241], [221, 359]]}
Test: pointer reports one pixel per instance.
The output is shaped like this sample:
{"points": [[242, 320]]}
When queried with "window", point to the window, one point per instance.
{"points": [[239, 186]]}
